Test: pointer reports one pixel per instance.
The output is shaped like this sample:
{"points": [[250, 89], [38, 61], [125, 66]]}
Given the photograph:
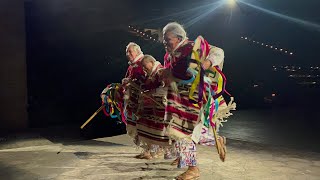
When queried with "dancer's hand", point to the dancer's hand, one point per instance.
{"points": [[164, 73], [103, 96], [206, 64], [125, 81], [165, 77]]}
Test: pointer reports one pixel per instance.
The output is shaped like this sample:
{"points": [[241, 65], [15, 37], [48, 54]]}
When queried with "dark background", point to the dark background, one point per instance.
{"points": [[75, 48]]}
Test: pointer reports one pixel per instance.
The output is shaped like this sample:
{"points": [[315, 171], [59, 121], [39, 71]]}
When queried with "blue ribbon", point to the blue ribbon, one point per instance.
{"points": [[190, 70]]}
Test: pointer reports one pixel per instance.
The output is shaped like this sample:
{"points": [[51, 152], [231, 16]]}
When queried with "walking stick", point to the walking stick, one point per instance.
{"points": [[92, 116], [159, 104], [216, 139], [218, 145]]}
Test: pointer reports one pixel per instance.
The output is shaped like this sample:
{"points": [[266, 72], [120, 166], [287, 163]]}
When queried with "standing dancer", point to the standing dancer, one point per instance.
{"points": [[136, 76], [151, 126], [186, 94]]}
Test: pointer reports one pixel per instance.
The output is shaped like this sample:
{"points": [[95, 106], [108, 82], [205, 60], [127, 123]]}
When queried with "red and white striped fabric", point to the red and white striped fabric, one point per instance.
{"points": [[151, 126]]}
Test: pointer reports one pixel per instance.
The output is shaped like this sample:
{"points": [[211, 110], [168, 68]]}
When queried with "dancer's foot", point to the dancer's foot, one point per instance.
{"points": [[193, 173], [139, 156], [144, 155], [158, 154], [148, 156], [175, 162]]}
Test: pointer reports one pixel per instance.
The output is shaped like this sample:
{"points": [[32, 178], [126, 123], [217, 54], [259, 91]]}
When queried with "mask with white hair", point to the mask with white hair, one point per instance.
{"points": [[133, 52], [174, 36]]}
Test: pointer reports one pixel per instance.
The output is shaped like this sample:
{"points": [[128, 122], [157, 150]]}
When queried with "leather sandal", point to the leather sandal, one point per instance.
{"points": [[189, 175]]}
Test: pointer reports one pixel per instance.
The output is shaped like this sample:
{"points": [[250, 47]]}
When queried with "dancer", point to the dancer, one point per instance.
{"points": [[151, 125], [186, 95], [130, 90]]}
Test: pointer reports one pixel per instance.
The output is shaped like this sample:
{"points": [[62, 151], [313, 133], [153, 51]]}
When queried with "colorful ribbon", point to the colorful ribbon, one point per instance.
{"points": [[113, 108]]}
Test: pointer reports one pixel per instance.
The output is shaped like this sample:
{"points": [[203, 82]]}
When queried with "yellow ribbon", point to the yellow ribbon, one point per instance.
{"points": [[196, 81], [220, 80]]}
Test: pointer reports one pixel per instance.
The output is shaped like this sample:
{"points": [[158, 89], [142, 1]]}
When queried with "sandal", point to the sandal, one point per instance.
{"points": [[189, 175], [147, 156], [144, 155], [158, 154], [139, 156], [175, 162], [223, 148]]}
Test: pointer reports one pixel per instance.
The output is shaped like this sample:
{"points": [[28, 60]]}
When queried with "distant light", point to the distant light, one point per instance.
{"points": [[254, 41], [150, 37], [241, 37], [271, 46], [231, 3], [291, 53], [267, 45], [255, 85], [276, 48], [281, 49], [273, 95], [245, 38]]}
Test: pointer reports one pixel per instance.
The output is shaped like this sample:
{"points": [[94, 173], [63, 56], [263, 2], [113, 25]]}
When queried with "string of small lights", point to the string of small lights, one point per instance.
{"points": [[142, 34], [150, 37], [267, 45]]}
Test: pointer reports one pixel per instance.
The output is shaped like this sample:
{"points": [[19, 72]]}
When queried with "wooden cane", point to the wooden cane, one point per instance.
{"points": [[92, 116], [159, 104], [216, 139]]}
